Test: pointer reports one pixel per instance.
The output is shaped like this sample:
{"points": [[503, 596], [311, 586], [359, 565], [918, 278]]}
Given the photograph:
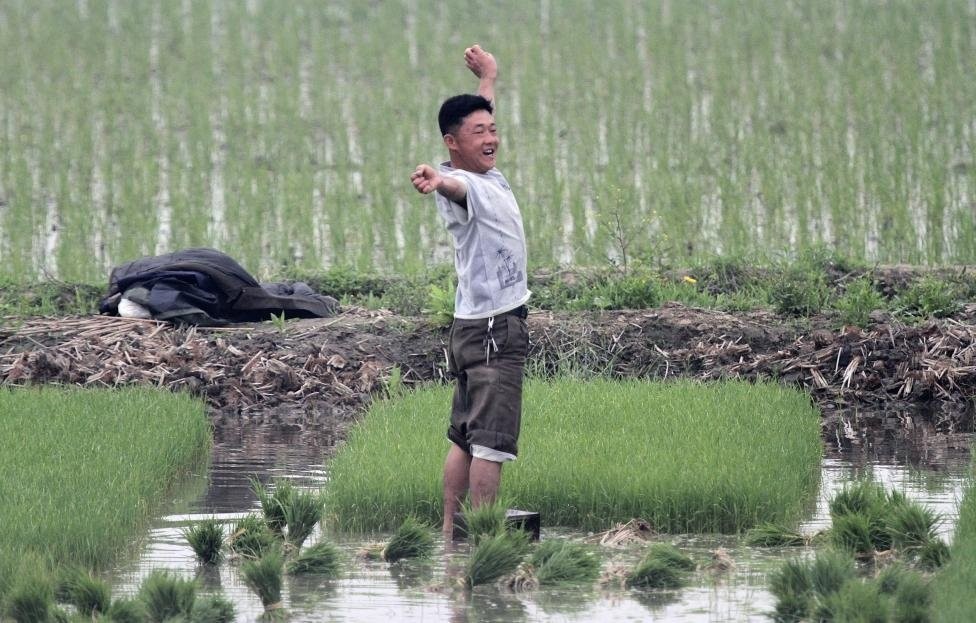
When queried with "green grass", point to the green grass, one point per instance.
{"points": [[953, 585], [84, 471], [690, 453], [256, 128]]}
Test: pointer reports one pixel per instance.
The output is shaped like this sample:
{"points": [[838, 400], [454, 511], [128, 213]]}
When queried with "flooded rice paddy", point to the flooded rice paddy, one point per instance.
{"points": [[933, 474]]}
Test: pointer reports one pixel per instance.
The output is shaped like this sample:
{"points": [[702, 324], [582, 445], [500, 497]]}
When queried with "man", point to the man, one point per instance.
{"points": [[489, 338]]}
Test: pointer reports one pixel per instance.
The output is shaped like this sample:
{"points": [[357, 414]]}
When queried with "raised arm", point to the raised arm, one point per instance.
{"points": [[426, 180], [482, 64]]}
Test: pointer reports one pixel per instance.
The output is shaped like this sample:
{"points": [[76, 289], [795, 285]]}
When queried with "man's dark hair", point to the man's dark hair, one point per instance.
{"points": [[455, 109]]}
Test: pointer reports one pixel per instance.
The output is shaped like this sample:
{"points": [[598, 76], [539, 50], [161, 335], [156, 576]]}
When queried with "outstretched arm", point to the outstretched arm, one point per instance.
{"points": [[483, 65], [426, 180]]}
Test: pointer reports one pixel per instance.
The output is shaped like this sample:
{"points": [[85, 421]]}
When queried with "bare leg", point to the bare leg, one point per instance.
{"points": [[485, 476], [456, 467]]}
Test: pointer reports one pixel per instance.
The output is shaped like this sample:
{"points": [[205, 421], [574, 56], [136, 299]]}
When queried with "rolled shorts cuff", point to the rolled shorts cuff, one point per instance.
{"points": [[489, 454]]}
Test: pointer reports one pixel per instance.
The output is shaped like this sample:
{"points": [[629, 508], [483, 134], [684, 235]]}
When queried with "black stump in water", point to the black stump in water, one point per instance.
{"points": [[527, 521]]}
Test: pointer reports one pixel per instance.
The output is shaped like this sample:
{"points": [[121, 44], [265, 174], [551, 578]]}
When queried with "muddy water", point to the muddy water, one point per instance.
{"points": [[423, 591]]}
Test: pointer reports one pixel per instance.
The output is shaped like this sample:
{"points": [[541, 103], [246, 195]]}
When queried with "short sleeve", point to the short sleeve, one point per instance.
{"points": [[451, 210]]}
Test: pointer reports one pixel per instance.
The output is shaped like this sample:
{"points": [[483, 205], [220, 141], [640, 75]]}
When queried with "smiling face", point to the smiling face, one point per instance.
{"points": [[474, 145]]}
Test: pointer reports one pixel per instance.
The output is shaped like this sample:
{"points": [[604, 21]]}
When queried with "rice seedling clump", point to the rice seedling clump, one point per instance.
{"points": [[483, 521], [167, 596], [302, 512], [206, 538], [273, 503], [663, 566], [560, 561], [90, 595], [323, 558], [213, 609], [264, 577], [494, 557], [411, 540], [251, 537]]}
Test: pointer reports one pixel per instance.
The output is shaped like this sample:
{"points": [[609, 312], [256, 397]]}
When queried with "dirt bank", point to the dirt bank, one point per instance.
{"points": [[315, 377]]}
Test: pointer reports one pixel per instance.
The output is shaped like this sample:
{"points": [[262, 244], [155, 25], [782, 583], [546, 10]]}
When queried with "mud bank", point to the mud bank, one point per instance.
{"points": [[315, 377]]}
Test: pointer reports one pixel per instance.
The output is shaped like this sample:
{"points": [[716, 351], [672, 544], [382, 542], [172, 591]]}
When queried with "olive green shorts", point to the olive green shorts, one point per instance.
{"points": [[487, 407]]}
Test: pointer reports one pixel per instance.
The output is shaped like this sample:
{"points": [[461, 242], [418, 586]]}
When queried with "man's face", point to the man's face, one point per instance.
{"points": [[474, 145]]}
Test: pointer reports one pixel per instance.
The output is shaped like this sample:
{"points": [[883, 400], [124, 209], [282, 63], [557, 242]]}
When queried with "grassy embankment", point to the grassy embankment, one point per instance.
{"points": [[285, 134], [679, 454], [953, 599], [84, 471]]}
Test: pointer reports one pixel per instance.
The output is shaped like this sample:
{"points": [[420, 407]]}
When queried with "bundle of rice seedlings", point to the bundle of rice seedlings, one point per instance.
{"points": [[829, 571], [495, 556], [166, 596], [563, 562], [90, 595], [854, 533], [303, 510], [264, 577], [774, 535], [855, 601], [127, 611], [251, 537], [207, 540], [670, 555], [655, 573], [912, 525], [933, 555], [322, 559], [484, 521], [663, 566], [31, 596], [213, 609], [863, 496], [411, 540], [792, 586], [273, 504], [890, 577], [913, 598]]}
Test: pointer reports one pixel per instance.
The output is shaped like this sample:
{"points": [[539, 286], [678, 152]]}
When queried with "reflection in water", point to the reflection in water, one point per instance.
{"points": [[429, 591]]}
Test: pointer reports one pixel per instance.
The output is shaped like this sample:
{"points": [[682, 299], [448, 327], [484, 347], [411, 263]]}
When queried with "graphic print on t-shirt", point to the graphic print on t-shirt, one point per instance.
{"points": [[508, 270]]}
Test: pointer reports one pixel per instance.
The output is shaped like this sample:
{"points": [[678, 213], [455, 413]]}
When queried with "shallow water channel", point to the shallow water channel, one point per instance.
{"points": [[376, 591]]}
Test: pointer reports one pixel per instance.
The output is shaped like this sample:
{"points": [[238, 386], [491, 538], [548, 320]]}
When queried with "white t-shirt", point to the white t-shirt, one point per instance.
{"points": [[489, 245]]}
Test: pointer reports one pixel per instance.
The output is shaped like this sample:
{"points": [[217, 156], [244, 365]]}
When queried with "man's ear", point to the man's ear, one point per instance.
{"points": [[450, 141]]}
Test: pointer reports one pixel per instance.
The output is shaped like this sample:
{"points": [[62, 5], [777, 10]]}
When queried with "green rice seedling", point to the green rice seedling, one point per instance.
{"points": [[411, 540], [274, 503], [671, 556], [264, 577], [863, 497], [933, 554], [564, 562], [792, 586], [853, 533], [165, 595], [212, 609], [829, 571], [92, 596], [206, 538], [105, 460], [251, 537], [855, 601], [952, 598], [655, 573], [127, 611], [774, 535], [30, 598], [323, 558], [912, 525], [484, 521], [303, 511], [386, 471], [913, 600], [494, 557]]}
